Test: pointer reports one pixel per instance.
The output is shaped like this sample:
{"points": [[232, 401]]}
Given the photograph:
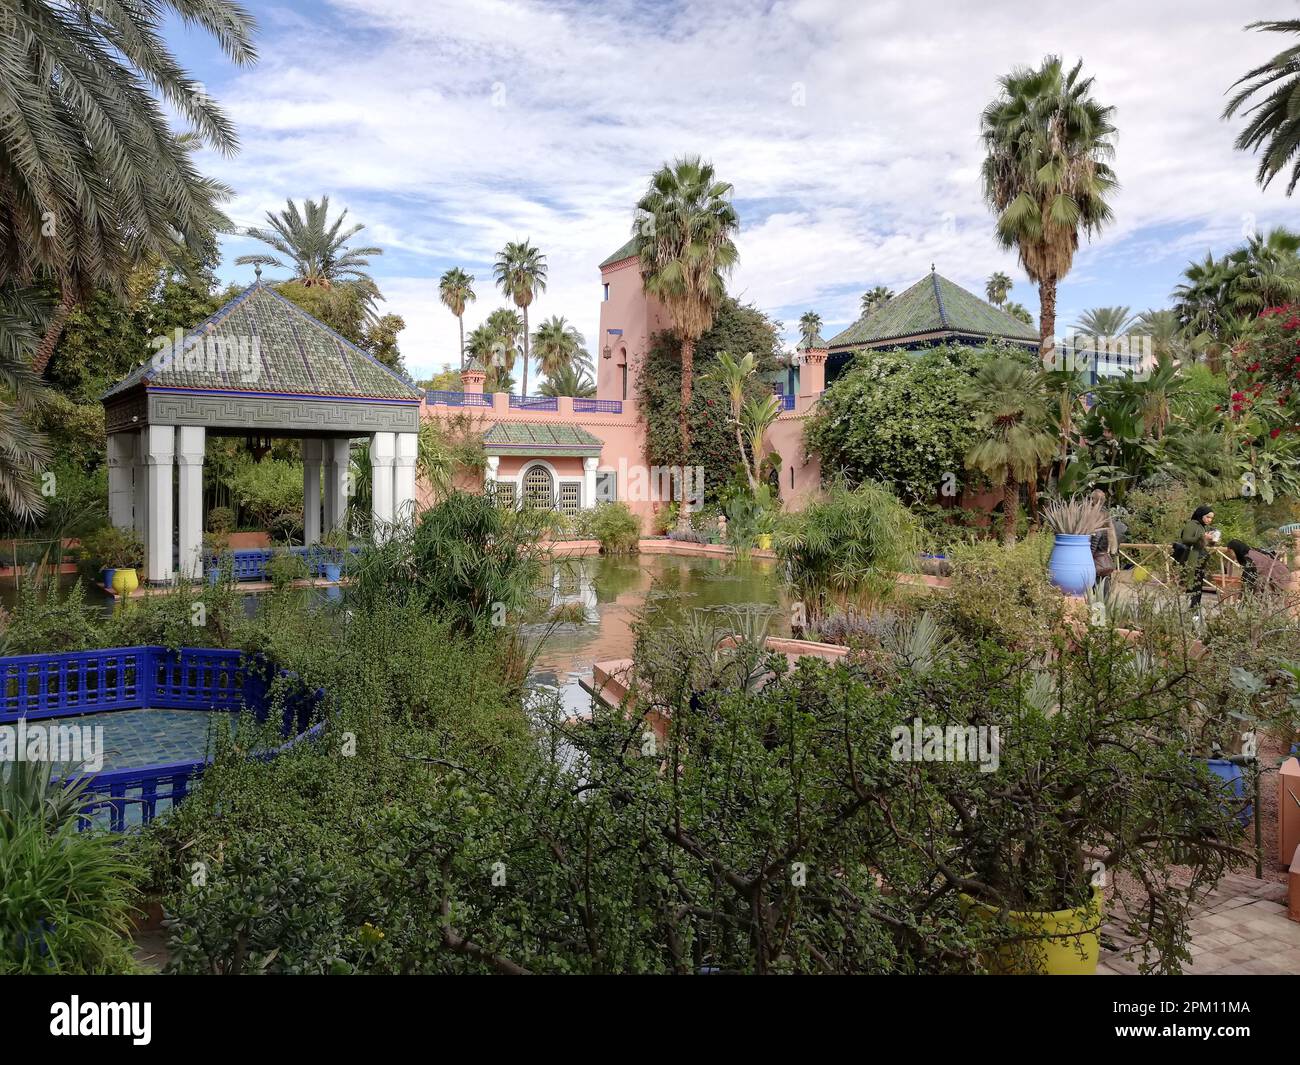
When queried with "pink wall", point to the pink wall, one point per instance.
{"points": [[639, 317]]}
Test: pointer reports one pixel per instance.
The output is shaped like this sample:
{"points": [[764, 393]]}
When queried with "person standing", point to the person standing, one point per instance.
{"points": [[1195, 537]]}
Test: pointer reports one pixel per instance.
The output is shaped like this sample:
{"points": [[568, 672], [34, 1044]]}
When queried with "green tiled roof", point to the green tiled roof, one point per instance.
{"points": [[933, 305], [626, 251], [540, 438], [294, 354], [818, 342]]}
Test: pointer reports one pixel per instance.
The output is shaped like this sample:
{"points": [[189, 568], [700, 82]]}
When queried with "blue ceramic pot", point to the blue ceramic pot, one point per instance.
{"points": [[108, 577], [1071, 567], [333, 571]]}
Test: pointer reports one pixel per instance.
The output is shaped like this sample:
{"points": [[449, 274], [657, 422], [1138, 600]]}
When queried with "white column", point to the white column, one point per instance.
{"points": [[189, 482], [159, 443], [589, 482], [121, 479], [383, 454], [404, 478], [490, 474], [338, 480], [140, 489], [312, 450]]}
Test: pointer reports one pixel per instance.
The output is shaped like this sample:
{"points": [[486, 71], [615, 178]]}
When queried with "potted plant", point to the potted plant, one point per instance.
{"points": [[335, 545], [1074, 520], [125, 554], [1034, 850], [215, 545]]}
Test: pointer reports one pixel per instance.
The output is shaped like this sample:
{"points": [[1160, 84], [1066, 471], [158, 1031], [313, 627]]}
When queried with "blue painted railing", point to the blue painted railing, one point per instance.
{"points": [[132, 678], [787, 401], [598, 406], [253, 563], [534, 402], [459, 399]]}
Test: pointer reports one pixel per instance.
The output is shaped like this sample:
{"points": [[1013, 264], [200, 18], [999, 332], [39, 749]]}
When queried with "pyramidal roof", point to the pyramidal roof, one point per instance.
{"points": [[260, 342], [625, 252], [933, 305]]}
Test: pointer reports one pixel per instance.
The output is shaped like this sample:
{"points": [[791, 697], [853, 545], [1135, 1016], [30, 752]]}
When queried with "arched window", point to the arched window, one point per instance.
{"points": [[539, 488]]}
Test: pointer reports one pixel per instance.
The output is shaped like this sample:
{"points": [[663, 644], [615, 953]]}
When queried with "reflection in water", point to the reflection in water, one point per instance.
{"points": [[614, 593]]}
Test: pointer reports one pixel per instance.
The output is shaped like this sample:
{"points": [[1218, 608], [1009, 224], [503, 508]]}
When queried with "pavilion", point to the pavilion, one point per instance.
{"points": [[259, 367], [933, 311]]}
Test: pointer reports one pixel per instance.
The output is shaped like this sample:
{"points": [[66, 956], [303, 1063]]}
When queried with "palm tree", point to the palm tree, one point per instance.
{"points": [[316, 250], [92, 179], [1019, 311], [558, 345], [573, 380], [1105, 322], [876, 297], [456, 289], [1046, 174], [1012, 443], [23, 450], [1164, 331], [997, 287], [683, 230], [520, 271], [810, 327], [503, 329], [1274, 120]]}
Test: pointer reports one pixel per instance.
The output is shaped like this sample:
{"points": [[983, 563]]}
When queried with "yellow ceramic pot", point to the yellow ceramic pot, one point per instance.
{"points": [[1059, 942], [125, 582], [765, 541]]}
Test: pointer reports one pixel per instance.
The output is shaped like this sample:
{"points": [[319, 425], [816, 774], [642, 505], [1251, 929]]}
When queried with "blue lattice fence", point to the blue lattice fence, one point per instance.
{"points": [[133, 678], [253, 563]]}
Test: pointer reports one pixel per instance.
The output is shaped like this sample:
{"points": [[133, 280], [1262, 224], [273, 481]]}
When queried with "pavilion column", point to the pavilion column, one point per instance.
{"points": [[121, 479], [312, 452], [140, 485], [404, 478], [589, 482], [189, 483], [337, 453], [383, 455], [159, 445], [490, 474]]}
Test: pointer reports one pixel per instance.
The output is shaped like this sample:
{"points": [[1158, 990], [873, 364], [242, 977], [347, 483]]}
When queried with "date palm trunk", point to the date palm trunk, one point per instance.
{"points": [[1010, 510], [53, 330]]}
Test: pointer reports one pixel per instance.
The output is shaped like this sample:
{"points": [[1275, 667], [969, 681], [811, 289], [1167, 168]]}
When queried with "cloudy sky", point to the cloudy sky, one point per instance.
{"points": [[848, 129]]}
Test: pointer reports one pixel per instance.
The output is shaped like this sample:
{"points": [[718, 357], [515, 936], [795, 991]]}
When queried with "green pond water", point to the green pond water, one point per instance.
{"points": [[615, 593]]}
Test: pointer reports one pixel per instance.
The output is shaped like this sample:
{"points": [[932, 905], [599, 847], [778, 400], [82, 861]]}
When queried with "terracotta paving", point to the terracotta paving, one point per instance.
{"points": [[1242, 929]]}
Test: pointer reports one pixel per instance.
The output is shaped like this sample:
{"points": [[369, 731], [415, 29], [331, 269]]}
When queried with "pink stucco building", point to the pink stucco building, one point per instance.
{"points": [[577, 452]]}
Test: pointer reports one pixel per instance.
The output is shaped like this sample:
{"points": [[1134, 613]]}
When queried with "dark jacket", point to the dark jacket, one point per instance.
{"points": [[1193, 535]]}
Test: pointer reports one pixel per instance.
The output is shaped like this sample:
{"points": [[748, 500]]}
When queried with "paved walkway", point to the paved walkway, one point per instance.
{"points": [[1242, 929]]}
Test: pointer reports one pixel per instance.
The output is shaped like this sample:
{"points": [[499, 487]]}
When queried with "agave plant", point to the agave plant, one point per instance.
{"points": [[1077, 516]]}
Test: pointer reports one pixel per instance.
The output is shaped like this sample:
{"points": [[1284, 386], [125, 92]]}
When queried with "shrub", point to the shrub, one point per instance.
{"points": [[847, 547], [66, 903], [221, 520], [615, 526], [900, 418], [111, 547], [270, 493], [1003, 593], [466, 559]]}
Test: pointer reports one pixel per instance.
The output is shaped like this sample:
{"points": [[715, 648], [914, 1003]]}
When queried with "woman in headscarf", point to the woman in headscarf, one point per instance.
{"points": [[1258, 570], [1194, 539], [1105, 541]]}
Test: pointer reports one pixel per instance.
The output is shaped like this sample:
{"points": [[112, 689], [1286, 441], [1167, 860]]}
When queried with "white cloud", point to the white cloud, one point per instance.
{"points": [[850, 132]]}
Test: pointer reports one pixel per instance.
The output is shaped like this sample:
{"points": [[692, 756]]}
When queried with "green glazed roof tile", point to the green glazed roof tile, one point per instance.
{"points": [[288, 351], [933, 305]]}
